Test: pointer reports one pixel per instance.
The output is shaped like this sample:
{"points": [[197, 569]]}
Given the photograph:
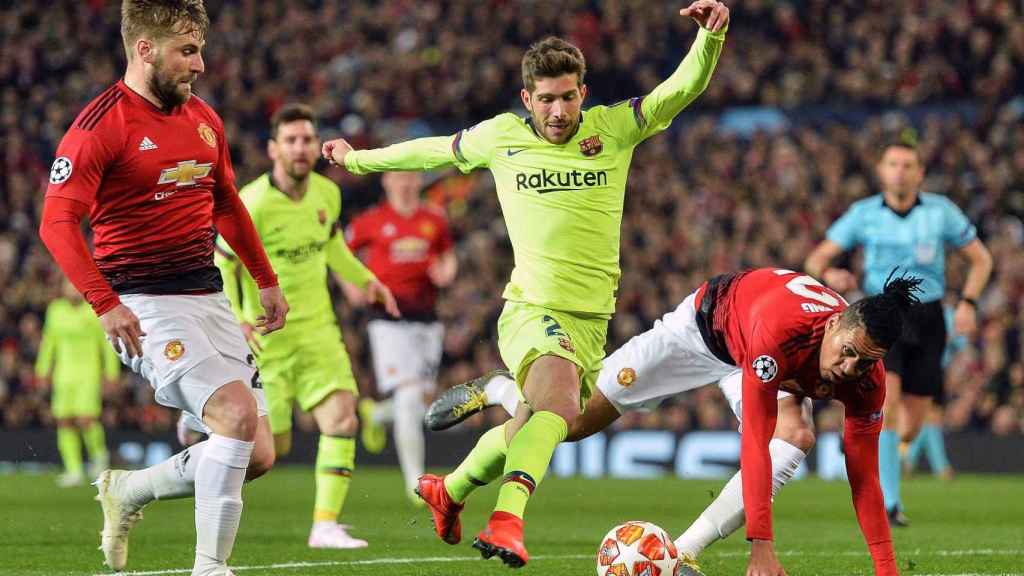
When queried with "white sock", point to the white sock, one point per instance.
{"points": [[501, 391], [409, 412], [219, 478], [725, 515], [172, 478], [384, 411]]}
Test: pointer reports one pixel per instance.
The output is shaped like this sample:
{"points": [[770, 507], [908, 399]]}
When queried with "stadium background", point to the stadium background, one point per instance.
{"points": [[783, 140]]}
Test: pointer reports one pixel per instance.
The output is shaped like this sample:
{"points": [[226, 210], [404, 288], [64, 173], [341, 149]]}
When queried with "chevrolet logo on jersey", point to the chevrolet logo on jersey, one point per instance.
{"points": [[545, 181], [185, 173]]}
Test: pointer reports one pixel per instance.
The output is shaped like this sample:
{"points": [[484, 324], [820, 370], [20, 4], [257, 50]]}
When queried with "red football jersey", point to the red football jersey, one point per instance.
{"points": [[770, 322], [151, 179], [399, 250]]}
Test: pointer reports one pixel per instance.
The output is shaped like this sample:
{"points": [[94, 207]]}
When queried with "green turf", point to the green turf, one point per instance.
{"points": [[973, 525]]}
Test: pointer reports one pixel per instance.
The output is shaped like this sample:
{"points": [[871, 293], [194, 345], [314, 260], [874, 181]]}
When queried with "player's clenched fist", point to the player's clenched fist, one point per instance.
{"points": [[334, 151], [711, 15]]}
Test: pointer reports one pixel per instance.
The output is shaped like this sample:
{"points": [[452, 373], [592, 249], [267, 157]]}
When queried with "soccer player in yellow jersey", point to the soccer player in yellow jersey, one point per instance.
{"points": [[560, 174]]}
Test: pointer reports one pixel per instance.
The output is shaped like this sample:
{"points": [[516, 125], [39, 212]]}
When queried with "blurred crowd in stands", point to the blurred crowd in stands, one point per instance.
{"points": [[702, 198]]}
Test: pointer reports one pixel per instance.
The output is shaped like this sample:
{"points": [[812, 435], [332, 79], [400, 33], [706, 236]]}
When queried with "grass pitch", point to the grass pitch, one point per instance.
{"points": [[971, 526]]}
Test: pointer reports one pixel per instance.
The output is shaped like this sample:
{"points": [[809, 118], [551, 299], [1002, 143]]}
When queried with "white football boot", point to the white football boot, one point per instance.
{"points": [[118, 517]]}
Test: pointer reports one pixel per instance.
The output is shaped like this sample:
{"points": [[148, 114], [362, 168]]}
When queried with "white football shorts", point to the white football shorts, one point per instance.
{"points": [[405, 352]]}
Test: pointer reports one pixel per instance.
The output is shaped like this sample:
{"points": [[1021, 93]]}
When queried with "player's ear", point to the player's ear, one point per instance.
{"points": [[272, 149], [583, 92], [525, 95], [832, 323], [145, 50]]}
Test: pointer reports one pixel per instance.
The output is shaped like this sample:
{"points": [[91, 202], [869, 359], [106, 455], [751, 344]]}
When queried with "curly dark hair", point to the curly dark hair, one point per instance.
{"points": [[882, 315]]}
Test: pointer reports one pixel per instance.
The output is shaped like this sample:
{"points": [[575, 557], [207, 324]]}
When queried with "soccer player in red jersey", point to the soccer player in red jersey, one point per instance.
{"points": [[773, 339], [407, 246], [148, 163]]}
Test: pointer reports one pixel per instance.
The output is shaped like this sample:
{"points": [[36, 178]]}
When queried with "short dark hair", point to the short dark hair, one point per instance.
{"points": [[159, 19], [882, 315], [290, 113], [550, 58]]}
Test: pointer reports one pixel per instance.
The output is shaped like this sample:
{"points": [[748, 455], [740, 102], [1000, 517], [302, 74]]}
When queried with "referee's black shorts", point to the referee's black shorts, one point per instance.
{"points": [[917, 356]]}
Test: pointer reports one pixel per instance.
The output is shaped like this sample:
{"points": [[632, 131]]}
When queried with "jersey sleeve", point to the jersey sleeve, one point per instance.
{"points": [[420, 154], [640, 118], [339, 257], [860, 444], [845, 231], [957, 230], [763, 368], [81, 161]]}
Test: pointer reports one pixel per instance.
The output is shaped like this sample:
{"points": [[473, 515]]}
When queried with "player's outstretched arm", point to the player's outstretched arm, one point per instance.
{"points": [[655, 111], [860, 443], [420, 154], [760, 411]]}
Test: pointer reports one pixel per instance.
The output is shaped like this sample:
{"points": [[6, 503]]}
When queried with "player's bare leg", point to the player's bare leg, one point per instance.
{"points": [[336, 418], [793, 439], [552, 390], [231, 415], [889, 450], [123, 493]]}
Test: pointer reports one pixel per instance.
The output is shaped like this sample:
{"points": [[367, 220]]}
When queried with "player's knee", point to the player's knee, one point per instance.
{"points": [[234, 416], [801, 437], [345, 425]]}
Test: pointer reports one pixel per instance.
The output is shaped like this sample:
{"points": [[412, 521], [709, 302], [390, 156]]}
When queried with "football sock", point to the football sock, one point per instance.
{"points": [[889, 467], [725, 514], [481, 466], [529, 455], [384, 411], [409, 441], [219, 477], [70, 447], [170, 479], [335, 461], [96, 443], [501, 391], [935, 448]]}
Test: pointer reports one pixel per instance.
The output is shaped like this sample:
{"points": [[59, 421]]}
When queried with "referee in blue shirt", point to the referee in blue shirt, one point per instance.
{"points": [[907, 229]]}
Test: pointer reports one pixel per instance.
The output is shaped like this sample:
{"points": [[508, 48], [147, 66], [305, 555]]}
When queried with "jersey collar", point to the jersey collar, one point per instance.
{"points": [[904, 214]]}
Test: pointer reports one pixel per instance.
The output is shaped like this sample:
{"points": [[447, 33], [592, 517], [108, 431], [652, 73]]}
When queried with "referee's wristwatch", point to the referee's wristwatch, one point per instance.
{"points": [[969, 300]]}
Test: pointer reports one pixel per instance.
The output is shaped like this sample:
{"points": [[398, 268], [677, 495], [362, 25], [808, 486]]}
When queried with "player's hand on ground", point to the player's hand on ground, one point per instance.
{"points": [[711, 15], [249, 331], [379, 293], [965, 319], [123, 328], [275, 308], [334, 151], [763, 561], [839, 279]]}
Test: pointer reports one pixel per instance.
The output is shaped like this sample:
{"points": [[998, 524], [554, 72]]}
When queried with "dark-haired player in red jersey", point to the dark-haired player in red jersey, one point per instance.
{"points": [[148, 163], [406, 244], [772, 339]]}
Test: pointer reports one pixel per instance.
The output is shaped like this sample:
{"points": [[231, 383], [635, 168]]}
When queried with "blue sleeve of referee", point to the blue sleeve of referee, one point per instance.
{"points": [[957, 230], [845, 231]]}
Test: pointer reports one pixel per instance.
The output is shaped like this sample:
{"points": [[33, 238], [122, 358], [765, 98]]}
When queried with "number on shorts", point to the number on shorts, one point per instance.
{"points": [[555, 329]]}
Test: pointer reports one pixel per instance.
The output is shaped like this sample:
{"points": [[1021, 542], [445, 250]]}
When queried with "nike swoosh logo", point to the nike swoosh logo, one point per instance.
{"points": [[514, 152]]}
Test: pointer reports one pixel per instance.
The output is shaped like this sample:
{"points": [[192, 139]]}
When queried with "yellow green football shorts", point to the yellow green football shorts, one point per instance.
{"points": [[527, 332], [305, 372], [76, 399]]}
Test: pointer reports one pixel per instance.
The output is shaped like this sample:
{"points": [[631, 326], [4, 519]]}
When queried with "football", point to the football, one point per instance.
{"points": [[637, 549]]}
